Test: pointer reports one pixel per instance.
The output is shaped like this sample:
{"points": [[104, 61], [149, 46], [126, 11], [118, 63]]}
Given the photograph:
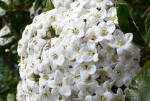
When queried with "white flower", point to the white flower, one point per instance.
{"points": [[76, 29], [89, 98], [105, 30], [86, 89], [122, 40], [59, 83], [92, 35], [112, 15], [89, 53], [97, 15], [56, 57], [123, 75], [62, 3], [87, 67], [103, 3]]}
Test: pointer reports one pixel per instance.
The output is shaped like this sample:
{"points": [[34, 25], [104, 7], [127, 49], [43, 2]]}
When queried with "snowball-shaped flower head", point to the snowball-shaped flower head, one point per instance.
{"points": [[76, 52]]}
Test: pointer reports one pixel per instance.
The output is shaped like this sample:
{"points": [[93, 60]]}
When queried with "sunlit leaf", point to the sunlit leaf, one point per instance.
{"points": [[139, 89], [49, 5]]}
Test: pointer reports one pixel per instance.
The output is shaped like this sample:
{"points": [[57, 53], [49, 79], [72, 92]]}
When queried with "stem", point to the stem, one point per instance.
{"points": [[146, 13]]}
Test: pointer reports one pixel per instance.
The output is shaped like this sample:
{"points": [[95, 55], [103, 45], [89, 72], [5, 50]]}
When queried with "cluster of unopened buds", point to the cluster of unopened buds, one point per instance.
{"points": [[76, 52]]}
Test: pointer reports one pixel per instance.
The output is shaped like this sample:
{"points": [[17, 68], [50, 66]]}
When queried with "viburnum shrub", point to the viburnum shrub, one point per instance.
{"points": [[76, 52]]}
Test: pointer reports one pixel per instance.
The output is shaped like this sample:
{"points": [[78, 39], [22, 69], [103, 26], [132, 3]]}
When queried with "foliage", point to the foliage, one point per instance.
{"points": [[49, 5], [130, 21], [134, 16], [139, 89]]}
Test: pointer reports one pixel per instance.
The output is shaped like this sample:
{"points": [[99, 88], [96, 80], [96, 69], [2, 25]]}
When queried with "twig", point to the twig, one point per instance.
{"points": [[146, 13]]}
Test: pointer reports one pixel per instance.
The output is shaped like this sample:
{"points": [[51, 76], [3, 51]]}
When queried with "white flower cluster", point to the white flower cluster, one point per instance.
{"points": [[5, 31], [62, 3], [76, 54]]}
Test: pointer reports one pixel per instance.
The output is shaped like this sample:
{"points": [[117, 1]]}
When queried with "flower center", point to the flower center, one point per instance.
{"points": [[120, 71], [60, 84], [90, 52], [128, 56], [101, 59], [55, 56], [109, 49], [100, 0], [104, 32], [112, 18], [41, 26], [97, 16], [85, 67], [46, 95], [121, 42], [53, 19], [93, 37], [75, 31], [45, 77], [89, 79], [77, 49], [35, 42], [102, 98]]}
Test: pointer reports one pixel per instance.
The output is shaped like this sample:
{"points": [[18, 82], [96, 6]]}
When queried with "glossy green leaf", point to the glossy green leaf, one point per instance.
{"points": [[139, 23], [139, 89], [49, 5], [129, 21]]}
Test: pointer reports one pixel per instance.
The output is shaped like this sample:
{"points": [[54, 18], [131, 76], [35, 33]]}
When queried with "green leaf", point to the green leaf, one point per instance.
{"points": [[139, 23], [147, 23], [49, 5], [38, 3], [10, 97], [139, 89], [3, 5], [139, 1], [148, 36], [129, 21]]}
